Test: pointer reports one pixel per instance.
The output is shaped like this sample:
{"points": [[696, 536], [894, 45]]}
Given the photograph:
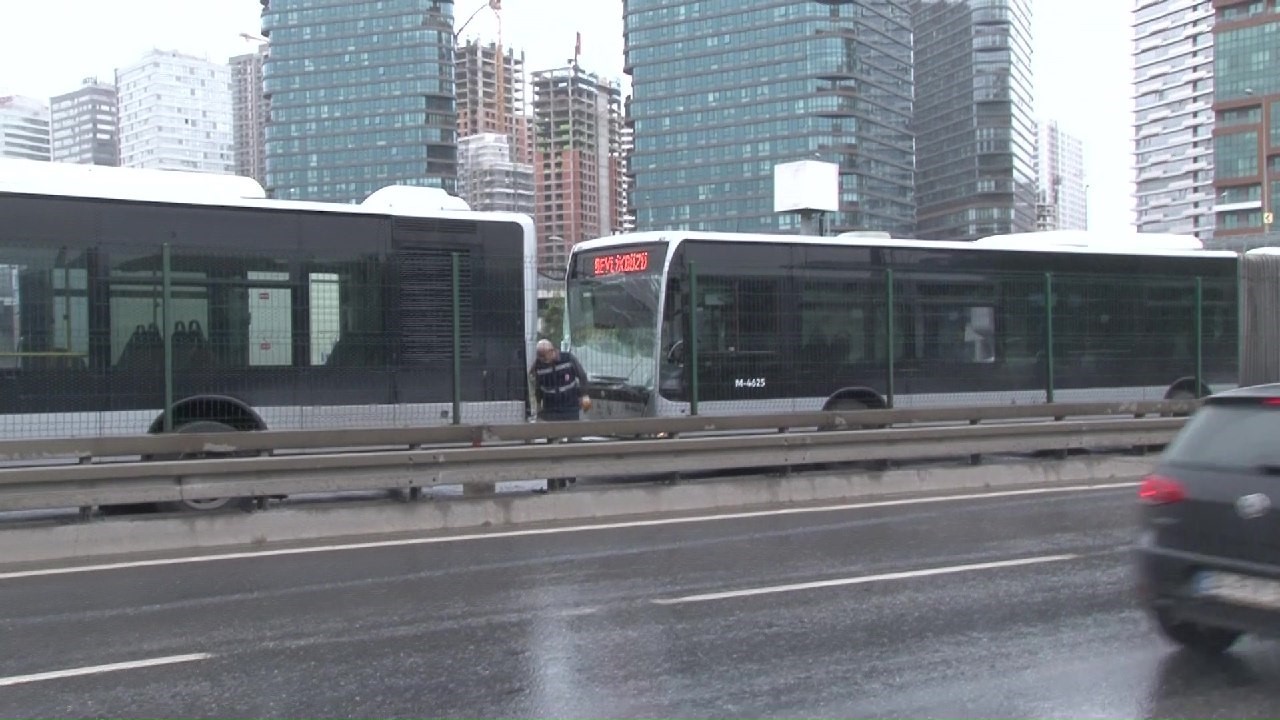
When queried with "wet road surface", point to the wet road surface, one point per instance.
{"points": [[1012, 605]]}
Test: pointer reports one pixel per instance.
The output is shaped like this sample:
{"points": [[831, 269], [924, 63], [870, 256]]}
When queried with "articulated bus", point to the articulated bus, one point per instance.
{"points": [[744, 323], [121, 287]]}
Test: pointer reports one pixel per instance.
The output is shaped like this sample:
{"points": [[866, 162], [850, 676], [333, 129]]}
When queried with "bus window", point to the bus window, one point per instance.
{"points": [[716, 314], [957, 333], [980, 335], [223, 311], [45, 319], [737, 315], [345, 314], [1021, 320], [954, 320], [324, 319], [135, 290], [840, 323]]}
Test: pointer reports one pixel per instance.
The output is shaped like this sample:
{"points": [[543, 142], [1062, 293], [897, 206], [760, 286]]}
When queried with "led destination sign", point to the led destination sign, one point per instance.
{"points": [[621, 263]]}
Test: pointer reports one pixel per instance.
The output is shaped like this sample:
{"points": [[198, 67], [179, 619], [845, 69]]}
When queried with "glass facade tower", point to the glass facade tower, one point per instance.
{"points": [[361, 95], [975, 128], [724, 90], [1246, 136], [1173, 120]]}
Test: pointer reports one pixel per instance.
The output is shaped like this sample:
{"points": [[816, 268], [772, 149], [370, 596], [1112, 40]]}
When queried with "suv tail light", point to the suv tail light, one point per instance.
{"points": [[1160, 490]]}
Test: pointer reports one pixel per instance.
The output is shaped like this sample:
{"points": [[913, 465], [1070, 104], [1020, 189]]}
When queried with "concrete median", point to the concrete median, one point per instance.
{"points": [[286, 524]]}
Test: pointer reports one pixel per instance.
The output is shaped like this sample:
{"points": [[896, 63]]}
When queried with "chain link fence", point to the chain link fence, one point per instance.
{"points": [[100, 340]]}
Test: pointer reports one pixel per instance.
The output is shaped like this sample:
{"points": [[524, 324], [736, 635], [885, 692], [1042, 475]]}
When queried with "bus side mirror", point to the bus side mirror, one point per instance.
{"points": [[675, 356]]}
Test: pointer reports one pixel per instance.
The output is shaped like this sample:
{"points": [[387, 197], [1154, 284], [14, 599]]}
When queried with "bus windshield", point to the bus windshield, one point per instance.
{"points": [[613, 323]]}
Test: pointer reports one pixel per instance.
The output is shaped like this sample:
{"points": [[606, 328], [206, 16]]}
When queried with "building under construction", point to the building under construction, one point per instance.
{"points": [[490, 83], [488, 178], [577, 120], [249, 108]]}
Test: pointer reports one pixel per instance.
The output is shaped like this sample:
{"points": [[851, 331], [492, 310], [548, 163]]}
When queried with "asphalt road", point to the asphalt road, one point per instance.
{"points": [[999, 606]]}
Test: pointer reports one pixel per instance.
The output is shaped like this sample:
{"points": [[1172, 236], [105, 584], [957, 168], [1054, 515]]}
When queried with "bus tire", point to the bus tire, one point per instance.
{"points": [[1182, 390], [211, 504], [849, 404]]}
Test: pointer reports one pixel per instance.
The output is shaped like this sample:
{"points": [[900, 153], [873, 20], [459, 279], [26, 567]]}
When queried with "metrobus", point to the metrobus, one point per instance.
{"points": [[777, 323], [123, 288]]}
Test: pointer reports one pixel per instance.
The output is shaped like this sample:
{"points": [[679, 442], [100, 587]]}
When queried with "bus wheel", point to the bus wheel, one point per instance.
{"points": [[1179, 394], [208, 504], [852, 405], [855, 405]]}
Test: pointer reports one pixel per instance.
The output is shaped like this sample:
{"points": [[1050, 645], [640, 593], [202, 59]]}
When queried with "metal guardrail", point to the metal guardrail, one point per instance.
{"points": [[92, 483], [90, 449]]}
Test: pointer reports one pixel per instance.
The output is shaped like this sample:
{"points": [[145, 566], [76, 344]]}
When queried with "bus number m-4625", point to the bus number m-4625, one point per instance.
{"points": [[748, 382]]}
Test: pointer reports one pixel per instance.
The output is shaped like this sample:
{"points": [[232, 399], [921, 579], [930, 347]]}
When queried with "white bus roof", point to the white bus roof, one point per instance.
{"points": [[1087, 243], [1057, 239], [33, 177]]}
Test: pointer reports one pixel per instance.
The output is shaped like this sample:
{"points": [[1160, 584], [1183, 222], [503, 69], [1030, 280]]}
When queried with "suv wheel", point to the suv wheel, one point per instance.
{"points": [[1198, 638]]}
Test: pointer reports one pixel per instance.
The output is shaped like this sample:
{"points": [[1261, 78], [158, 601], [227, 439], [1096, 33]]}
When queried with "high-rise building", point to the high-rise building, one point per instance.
{"points": [[84, 125], [577, 170], [974, 125], [362, 96], [249, 110], [1246, 136], [628, 175], [491, 95], [1173, 128], [24, 128], [175, 114], [1062, 187], [721, 93], [489, 179]]}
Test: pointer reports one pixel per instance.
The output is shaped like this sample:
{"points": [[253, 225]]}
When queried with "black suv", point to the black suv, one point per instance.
{"points": [[1209, 552]]}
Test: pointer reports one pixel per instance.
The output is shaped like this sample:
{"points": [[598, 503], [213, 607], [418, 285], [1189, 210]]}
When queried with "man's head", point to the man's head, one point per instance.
{"points": [[547, 352]]}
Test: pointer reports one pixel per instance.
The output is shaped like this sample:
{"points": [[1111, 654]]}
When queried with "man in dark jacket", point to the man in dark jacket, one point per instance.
{"points": [[560, 388]]}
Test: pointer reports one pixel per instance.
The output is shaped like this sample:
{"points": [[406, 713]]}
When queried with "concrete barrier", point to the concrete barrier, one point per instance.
{"points": [[121, 537]]}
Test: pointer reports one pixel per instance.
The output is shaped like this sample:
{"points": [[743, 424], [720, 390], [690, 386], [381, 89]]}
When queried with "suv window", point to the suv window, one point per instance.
{"points": [[1234, 435]]}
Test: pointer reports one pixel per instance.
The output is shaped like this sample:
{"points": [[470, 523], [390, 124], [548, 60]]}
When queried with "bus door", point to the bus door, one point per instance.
{"points": [[740, 353]]}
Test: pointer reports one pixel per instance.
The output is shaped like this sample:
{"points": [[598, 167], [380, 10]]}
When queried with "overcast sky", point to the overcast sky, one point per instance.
{"points": [[1083, 57]]}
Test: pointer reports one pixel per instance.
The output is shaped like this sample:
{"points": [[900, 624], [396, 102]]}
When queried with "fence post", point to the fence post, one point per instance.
{"points": [[166, 332], [1199, 335], [1048, 337], [457, 344], [693, 339], [890, 335]]}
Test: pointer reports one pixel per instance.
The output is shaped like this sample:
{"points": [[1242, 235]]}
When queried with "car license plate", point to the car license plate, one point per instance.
{"points": [[1239, 589]]}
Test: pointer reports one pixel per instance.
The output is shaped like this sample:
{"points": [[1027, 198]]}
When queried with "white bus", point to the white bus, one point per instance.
{"points": [[743, 323], [135, 301]]}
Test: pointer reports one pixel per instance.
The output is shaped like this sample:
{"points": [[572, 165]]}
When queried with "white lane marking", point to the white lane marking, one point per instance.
{"points": [[98, 669], [863, 580], [555, 530]]}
